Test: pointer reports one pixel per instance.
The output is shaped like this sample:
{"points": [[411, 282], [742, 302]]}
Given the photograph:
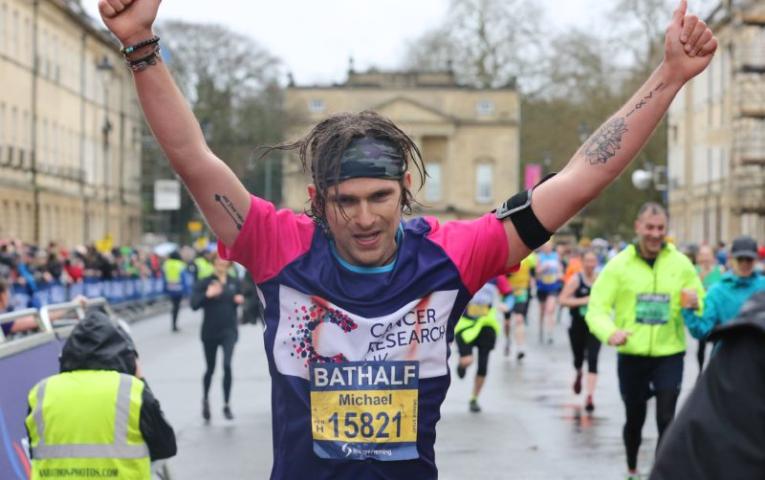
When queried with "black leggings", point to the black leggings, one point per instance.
{"points": [[211, 349], [176, 301], [583, 341], [701, 354], [485, 343], [639, 378]]}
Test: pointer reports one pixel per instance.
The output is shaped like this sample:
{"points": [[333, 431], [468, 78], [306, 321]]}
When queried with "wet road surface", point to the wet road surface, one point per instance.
{"points": [[532, 425]]}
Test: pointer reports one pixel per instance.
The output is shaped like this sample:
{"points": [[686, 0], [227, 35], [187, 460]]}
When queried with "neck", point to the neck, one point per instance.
{"points": [[645, 254]]}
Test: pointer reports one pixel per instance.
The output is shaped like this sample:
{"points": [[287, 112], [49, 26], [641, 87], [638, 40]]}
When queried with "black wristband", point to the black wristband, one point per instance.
{"points": [[144, 43], [144, 62], [518, 207]]}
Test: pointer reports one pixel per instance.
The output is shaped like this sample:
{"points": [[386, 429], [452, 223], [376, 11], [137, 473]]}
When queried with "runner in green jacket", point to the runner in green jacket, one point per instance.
{"points": [[635, 305]]}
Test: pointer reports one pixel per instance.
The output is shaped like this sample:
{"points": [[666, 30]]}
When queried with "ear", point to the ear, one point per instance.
{"points": [[311, 191], [408, 180]]}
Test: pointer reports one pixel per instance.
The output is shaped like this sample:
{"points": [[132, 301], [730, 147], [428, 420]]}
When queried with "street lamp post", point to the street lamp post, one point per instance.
{"points": [[105, 67]]}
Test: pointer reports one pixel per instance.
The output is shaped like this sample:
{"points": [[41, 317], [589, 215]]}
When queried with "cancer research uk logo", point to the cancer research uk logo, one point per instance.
{"points": [[312, 330]]}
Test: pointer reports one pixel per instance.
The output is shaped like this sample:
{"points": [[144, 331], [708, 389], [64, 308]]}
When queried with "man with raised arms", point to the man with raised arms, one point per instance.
{"points": [[329, 275]]}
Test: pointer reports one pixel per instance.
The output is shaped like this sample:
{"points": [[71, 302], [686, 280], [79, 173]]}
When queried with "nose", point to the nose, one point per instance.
{"points": [[365, 218]]}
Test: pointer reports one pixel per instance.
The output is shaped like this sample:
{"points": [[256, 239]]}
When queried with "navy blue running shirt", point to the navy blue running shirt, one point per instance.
{"points": [[358, 356]]}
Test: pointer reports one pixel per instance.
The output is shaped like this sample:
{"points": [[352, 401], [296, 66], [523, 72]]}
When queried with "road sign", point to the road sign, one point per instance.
{"points": [[167, 195]]}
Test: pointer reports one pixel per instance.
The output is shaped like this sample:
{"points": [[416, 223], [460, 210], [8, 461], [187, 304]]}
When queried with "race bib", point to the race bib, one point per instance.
{"points": [[477, 311], [521, 296], [365, 410], [652, 308], [549, 279]]}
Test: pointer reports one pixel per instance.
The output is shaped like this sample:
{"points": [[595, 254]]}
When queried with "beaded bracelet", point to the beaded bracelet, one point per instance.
{"points": [[145, 62], [132, 48]]}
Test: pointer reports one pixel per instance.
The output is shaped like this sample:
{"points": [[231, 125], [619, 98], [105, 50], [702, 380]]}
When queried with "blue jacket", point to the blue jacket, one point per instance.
{"points": [[722, 303]]}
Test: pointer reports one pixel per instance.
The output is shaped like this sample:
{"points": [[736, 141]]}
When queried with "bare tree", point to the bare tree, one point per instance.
{"points": [[232, 85], [638, 29], [489, 43]]}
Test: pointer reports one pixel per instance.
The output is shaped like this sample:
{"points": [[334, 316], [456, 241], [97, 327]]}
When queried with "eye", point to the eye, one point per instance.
{"points": [[380, 196], [346, 201]]}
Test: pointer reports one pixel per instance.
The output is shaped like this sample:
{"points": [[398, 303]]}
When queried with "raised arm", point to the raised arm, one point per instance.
{"points": [[689, 47], [219, 194]]}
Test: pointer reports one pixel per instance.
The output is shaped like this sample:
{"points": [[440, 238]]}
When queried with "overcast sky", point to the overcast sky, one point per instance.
{"points": [[315, 38]]}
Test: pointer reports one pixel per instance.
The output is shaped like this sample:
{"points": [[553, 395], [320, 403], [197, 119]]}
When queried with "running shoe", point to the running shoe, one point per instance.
{"points": [[206, 410], [589, 406], [474, 407], [520, 356], [578, 382], [227, 413]]}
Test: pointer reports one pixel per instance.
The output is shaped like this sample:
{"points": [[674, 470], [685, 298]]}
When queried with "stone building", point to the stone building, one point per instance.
{"points": [[717, 134], [469, 138], [70, 136]]}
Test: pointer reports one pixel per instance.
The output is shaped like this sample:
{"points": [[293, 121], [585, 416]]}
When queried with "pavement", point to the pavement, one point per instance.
{"points": [[532, 425]]}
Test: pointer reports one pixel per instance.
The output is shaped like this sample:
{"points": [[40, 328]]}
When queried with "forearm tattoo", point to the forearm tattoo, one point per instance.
{"points": [[608, 140], [605, 142], [644, 101], [229, 208]]}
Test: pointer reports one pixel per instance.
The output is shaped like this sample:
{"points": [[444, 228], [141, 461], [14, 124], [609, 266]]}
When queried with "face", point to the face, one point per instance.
{"points": [[651, 228], [221, 266], [743, 266], [363, 215], [705, 257], [589, 263]]}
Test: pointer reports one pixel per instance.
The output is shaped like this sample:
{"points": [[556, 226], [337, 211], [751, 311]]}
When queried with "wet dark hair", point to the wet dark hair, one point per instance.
{"points": [[321, 149], [653, 208]]}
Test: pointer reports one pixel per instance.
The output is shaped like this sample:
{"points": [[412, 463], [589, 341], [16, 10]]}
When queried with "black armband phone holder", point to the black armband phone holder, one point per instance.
{"points": [[518, 208]]}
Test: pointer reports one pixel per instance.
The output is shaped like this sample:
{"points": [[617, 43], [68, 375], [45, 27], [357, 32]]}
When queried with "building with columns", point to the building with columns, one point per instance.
{"points": [[70, 128], [469, 138], [717, 134]]}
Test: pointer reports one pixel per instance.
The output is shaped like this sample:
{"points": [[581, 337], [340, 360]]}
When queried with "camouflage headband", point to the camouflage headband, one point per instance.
{"points": [[369, 157]]}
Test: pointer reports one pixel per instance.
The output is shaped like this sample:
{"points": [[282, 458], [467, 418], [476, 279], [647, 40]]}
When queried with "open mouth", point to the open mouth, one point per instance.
{"points": [[367, 239]]}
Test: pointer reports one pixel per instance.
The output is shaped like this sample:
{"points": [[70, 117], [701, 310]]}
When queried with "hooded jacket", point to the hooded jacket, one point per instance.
{"points": [[722, 303], [720, 431], [98, 343]]}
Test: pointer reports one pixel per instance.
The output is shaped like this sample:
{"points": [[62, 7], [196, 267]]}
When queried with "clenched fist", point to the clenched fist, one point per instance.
{"points": [[129, 20], [689, 45]]}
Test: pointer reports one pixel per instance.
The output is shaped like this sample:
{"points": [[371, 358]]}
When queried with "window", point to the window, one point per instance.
{"points": [[433, 186], [316, 105], [14, 125], [2, 124], [3, 15], [15, 34], [483, 177], [484, 108]]}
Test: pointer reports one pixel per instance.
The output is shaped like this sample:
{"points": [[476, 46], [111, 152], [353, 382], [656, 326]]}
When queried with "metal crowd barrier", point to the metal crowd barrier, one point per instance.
{"points": [[117, 291]]}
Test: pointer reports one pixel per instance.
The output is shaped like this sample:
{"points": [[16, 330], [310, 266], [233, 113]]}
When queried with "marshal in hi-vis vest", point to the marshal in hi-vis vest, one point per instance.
{"points": [[85, 424]]}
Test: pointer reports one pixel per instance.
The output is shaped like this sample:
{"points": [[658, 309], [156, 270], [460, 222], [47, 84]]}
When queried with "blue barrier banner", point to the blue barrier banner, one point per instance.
{"points": [[93, 288], [76, 289], [20, 298], [20, 372], [58, 293], [116, 291]]}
